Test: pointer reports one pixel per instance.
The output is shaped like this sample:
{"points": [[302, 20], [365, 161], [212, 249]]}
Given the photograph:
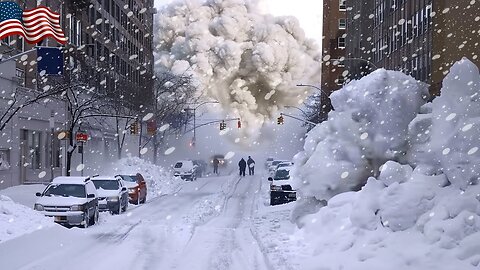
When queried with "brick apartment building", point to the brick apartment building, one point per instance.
{"points": [[422, 38], [110, 48], [333, 43]]}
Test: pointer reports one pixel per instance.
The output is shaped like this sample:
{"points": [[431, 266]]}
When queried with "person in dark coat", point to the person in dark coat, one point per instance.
{"points": [[251, 166], [215, 165], [243, 166]]}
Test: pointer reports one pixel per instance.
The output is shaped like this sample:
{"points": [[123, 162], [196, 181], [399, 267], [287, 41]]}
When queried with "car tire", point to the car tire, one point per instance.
{"points": [[95, 217], [144, 199], [86, 220], [124, 209]]}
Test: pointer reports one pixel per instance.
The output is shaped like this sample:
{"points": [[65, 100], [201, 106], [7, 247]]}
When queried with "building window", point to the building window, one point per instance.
{"points": [[34, 144], [341, 42], [343, 5], [342, 23], [20, 75], [4, 159], [340, 80]]}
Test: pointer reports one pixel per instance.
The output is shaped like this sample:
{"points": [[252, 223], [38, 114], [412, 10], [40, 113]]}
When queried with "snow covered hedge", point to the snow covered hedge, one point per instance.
{"points": [[423, 210]]}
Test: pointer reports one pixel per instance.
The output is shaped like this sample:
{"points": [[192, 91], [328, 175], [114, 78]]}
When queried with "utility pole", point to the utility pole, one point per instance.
{"points": [[52, 144]]}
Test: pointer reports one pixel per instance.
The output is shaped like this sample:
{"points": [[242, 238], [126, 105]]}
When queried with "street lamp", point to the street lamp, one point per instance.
{"points": [[194, 117]]}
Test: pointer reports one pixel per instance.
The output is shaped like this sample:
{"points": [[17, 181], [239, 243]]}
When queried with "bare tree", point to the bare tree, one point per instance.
{"points": [[173, 94], [82, 103], [21, 99]]}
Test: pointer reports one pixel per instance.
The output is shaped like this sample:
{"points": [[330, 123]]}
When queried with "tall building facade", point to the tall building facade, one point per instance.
{"points": [[109, 48], [422, 38], [333, 51]]}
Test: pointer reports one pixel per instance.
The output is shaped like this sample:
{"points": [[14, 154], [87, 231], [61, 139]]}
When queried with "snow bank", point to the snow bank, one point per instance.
{"points": [[423, 214], [159, 180], [16, 219], [368, 127]]}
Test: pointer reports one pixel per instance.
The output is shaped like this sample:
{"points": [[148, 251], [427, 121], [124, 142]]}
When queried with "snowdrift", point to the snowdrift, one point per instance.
{"points": [[368, 127], [159, 180], [16, 219], [422, 211]]}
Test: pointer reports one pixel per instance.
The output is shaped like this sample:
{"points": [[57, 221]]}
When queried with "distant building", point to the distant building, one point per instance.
{"points": [[422, 38], [333, 43]]}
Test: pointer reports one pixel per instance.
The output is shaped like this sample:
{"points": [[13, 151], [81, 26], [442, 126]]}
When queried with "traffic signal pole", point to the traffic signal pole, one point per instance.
{"points": [[298, 119], [213, 122]]}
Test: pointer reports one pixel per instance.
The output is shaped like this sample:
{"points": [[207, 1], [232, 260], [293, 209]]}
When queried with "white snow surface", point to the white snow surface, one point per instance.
{"points": [[368, 126], [17, 219], [159, 180], [423, 209]]}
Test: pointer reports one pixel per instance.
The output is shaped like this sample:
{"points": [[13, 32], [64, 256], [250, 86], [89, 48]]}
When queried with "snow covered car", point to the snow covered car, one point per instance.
{"points": [[284, 164], [221, 160], [137, 187], [70, 200], [268, 162], [274, 165], [280, 189], [201, 167], [185, 169], [112, 194]]}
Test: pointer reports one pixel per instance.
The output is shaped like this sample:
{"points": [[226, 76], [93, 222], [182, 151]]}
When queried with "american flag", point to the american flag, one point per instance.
{"points": [[34, 24]]}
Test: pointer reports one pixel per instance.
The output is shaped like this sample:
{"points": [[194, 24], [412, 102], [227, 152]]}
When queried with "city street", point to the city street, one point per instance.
{"points": [[207, 224]]}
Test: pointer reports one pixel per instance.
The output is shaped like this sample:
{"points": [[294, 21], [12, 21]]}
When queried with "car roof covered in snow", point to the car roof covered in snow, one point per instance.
{"points": [[80, 180], [104, 177]]}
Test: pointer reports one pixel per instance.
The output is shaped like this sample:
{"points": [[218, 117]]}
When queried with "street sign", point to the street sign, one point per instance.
{"points": [[151, 127], [81, 137]]}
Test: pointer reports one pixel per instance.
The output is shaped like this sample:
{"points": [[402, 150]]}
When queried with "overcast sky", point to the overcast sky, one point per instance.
{"points": [[308, 12]]}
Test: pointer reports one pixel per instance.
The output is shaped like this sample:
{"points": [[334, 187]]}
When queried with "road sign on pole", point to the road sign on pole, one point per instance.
{"points": [[81, 137]]}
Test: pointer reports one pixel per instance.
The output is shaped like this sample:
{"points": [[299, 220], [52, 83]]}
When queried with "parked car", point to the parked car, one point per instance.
{"points": [[137, 187], [70, 200], [280, 188], [112, 194], [201, 167], [186, 170], [268, 162], [274, 165], [284, 164]]}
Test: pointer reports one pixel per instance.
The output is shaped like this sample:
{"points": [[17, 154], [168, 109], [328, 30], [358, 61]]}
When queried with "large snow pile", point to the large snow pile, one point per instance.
{"points": [[159, 180], [247, 61], [16, 219], [422, 214], [368, 127]]}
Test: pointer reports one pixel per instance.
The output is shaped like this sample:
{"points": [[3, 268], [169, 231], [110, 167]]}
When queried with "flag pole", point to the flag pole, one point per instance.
{"points": [[27, 52]]}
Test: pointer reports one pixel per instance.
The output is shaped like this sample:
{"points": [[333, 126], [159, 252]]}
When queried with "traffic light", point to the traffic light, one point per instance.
{"points": [[134, 128], [239, 124], [280, 120], [223, 125]]}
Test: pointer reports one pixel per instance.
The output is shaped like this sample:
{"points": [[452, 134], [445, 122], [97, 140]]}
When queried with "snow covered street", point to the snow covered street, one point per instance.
{"points": [[207, 224]]}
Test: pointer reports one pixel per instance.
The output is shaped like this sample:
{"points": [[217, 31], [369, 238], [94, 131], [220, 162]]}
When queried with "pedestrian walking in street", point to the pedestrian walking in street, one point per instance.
{"points": [[215, 165], [251, 166], [242, 166]]}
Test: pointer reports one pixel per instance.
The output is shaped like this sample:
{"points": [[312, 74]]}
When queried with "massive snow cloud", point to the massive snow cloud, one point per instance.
{"points": [[248, 62]]}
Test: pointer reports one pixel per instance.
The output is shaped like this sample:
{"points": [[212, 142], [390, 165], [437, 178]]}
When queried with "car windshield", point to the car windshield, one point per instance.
{"points": [[66, 190], [178, 165], [106, 184], [282, 175], [276, 162], [129, 178], [269, 159]]}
